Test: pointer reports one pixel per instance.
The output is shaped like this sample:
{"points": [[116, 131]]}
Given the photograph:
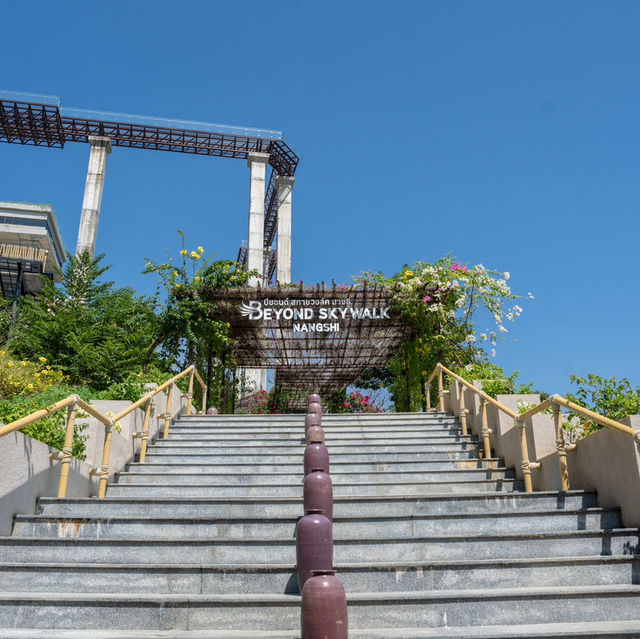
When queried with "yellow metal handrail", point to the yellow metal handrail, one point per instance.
{"points": [[555, 402], [73, 403]]}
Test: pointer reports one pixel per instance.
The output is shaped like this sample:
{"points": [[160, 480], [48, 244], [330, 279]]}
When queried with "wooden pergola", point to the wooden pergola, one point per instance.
{"points": [[305, 360]]}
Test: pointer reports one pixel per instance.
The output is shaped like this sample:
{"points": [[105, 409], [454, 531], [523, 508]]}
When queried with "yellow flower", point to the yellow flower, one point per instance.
{"points": [[30, 386], [43, 360], [10, 364], [195, 255], [183, 252], [408, 273], [178, 285], [228, 325], [24, 363], [197, 278], [424, 372], [233, 277], [200, 249], [44, 372]]}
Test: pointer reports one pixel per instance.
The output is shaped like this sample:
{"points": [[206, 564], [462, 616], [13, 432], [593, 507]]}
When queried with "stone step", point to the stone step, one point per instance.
{"points": [[613, 629], [291, 490], [174, 448], [283, 528], [169, 457], [298, 436], [382, 477], [334, 418], [260, 578], [282, 612], [453, 440], [389, 550], [178, 430], [352, 506], [296, 466]]}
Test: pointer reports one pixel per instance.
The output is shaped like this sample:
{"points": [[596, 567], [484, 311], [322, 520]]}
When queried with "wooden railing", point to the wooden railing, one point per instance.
{"points": [[72, 403], [555, 402]]}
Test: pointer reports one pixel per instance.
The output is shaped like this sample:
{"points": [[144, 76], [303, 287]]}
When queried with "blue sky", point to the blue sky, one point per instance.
{"points": [[503, 132]]}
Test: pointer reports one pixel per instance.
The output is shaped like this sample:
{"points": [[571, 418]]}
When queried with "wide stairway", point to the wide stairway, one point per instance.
{"points": [[430, 541]]}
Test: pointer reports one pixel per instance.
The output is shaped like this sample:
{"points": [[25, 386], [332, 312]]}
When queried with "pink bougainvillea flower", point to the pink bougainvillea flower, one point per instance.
{"points": [[427, 298]]}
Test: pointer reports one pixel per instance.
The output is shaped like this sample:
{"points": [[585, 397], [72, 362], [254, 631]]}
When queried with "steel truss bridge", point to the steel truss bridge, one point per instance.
{"points": [[39, 123]]}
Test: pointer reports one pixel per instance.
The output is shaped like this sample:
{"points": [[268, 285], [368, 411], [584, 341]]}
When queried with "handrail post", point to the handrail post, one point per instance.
{"points": [[190, 393], [67, 450], [145, 430], [167, 414], [104, 468], [462, 411], [486, 442], [440, 392], [427, 392], [561, 449], [204, 400], [524, 453]]}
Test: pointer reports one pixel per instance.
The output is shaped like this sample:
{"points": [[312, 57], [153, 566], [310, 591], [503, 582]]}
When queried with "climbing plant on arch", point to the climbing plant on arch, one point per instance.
{"points": [[443, 304]]}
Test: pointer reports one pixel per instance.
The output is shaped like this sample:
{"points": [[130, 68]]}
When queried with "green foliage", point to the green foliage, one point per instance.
{"points": [[190, 328], [493, 379], [356, 402], [20, 378], [441, 304], [51, 429], [612, 398], [97, 334]]}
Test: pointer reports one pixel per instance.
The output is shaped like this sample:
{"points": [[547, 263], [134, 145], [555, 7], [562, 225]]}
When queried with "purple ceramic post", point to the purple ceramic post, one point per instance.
{"points": [[324, 607], [316, 456], [314, 545], [317, 493]]}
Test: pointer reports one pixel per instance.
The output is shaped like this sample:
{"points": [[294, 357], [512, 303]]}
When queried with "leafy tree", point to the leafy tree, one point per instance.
{"points": [[190, 328], [96, 333]]}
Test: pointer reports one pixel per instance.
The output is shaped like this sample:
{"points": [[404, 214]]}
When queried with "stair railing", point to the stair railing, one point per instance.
{"points": [[110, 422], [555, 402]]}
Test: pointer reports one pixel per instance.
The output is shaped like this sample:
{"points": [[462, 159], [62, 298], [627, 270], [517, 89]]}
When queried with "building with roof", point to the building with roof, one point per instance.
{"points": [[30, 245]]}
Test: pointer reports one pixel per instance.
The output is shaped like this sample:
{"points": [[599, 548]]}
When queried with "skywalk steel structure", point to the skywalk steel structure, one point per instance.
{"points": [[41, 121]]}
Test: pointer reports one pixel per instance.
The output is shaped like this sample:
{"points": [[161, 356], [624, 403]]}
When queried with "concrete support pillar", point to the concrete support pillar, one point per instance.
{"points": [[284, 185], [88, 231], [257, 163]]}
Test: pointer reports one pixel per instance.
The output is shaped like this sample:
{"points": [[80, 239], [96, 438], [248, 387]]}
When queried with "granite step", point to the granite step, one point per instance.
{"points": [[281, 578], [291, 490], [155, 455], [382, 477], [427, 609], [244, 551], [343, 528], [351, 506], [332, 441], [296, 466], [613, 629]]}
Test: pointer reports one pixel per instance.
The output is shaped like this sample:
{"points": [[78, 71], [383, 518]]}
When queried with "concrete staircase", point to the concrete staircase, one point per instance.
{"points": [[430, 541]]}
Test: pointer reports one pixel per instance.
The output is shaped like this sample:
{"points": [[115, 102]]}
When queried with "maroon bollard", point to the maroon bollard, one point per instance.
{"points": [[317, 493], [316, 456], [314, 407], [314, 397], [315, 435], [312, 419], [314, 545], [212, 410], [324, 607]]}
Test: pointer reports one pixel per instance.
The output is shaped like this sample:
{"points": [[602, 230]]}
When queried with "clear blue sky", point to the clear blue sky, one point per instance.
{"points": [[504, 132]]}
